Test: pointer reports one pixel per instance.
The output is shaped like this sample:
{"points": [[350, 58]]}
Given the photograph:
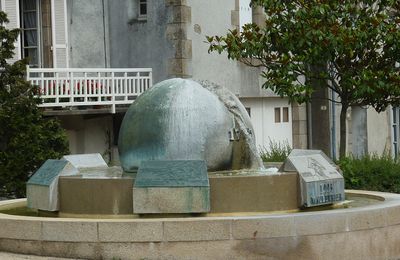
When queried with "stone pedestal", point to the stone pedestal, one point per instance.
{"points": [[171, 187], [42, 187], [320, 181]]}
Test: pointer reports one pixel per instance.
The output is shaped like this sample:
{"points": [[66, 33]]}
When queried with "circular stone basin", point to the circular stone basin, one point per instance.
{"points": [[364, 232]]}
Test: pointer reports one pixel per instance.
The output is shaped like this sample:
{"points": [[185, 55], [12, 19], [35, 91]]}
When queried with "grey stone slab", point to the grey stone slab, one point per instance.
{"points": [[177, 186], [320, 181], [73, 231], [171, 200], [86, 160], [143, 231], [174, 173], [197, 230], [252, 228]]}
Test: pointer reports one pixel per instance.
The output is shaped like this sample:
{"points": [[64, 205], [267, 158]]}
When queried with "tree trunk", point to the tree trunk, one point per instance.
{"points": [[343, 130]]}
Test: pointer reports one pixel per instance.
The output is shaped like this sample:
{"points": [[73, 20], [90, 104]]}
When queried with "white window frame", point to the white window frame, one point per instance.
{"points": [[39, 35]]}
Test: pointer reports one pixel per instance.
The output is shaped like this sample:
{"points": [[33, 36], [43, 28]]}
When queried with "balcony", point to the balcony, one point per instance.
{"points": [[72, 88]]}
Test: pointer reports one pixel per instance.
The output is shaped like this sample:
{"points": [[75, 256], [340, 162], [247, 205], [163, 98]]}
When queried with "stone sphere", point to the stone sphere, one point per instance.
{"points": [[176, 119]]}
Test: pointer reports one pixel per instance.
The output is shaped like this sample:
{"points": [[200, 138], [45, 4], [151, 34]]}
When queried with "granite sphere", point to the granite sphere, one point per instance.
{"points": [[176, 119]]}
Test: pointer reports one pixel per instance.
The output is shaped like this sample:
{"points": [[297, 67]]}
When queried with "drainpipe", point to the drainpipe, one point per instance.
{"points": [[333, 127], [309, 126], [104, 34]]}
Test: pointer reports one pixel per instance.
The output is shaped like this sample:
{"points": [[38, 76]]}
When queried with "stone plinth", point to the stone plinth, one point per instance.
{"points": [[320, 181], [171, 187], [42, 187]]}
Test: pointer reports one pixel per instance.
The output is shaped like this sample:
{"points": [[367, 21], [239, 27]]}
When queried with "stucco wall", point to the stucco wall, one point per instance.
{"points": [[239, 78], [139, 44], [359, 137], [86, 30], [378, 128]]}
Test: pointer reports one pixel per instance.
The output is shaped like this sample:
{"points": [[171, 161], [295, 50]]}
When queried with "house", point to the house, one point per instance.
{"points": [[131, 44]]}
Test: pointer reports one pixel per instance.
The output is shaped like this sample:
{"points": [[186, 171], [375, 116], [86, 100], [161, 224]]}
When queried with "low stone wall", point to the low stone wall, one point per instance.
{"points": [[370, 232]]}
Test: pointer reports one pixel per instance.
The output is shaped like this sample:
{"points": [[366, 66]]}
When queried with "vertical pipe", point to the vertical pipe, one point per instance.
{"points": [[104, 34], [309, 126], [333, 127]]}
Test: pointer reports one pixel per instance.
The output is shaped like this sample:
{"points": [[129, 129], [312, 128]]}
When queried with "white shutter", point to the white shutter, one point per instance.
{"points": [[11, 8], [59, 32], [245, 13]]}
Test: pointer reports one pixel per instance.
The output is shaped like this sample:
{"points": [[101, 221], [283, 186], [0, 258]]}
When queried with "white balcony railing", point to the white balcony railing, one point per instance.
{"points": [[71, 87]]}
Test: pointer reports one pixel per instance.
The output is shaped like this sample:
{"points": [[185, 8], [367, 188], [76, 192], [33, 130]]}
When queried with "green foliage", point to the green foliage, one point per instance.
{"points": [[26, 138], [348, 46], [277, 152], [371, 172]]}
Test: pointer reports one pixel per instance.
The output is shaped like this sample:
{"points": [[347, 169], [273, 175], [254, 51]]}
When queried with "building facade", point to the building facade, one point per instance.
{"points": [[169, 36]]}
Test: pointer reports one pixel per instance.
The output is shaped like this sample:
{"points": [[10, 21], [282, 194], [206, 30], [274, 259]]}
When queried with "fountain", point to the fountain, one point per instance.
{"points": [[193, 186]]}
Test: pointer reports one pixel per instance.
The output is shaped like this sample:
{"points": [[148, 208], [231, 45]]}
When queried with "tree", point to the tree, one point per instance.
{"points": [[27, 139], [351, 47]]}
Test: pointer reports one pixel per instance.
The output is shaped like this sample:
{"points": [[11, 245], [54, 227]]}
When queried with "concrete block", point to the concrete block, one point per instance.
{"points": [[176, 31], [235, 18], [358, 220], [254, 228], [183, 49], [20, 229], [393, 215], [18, 246], [42, 187], [197, 230], [180, 14], [140, 231], [392, 242], [300, 141], [320, 224], [86, 160], [180, 67], [82, 250], [72, 231], [299, 127]]}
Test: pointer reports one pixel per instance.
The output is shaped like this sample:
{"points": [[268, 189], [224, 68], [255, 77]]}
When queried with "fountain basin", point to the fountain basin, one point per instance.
{"points": [[230, 191], [365, 232]]}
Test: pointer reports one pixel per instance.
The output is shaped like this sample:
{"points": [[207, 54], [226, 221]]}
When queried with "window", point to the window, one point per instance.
{"points": [[281, 114], [285, 114], [30, 31], [36, 35], [277, 115], [142, 14]]}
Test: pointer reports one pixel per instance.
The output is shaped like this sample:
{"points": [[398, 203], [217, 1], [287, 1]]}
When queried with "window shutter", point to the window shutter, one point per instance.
{"points": [[245, 13], [59, 32], [11, 8]]}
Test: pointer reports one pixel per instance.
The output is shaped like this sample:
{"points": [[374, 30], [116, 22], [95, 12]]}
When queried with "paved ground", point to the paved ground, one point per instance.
{"points": [[10, 256]]}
